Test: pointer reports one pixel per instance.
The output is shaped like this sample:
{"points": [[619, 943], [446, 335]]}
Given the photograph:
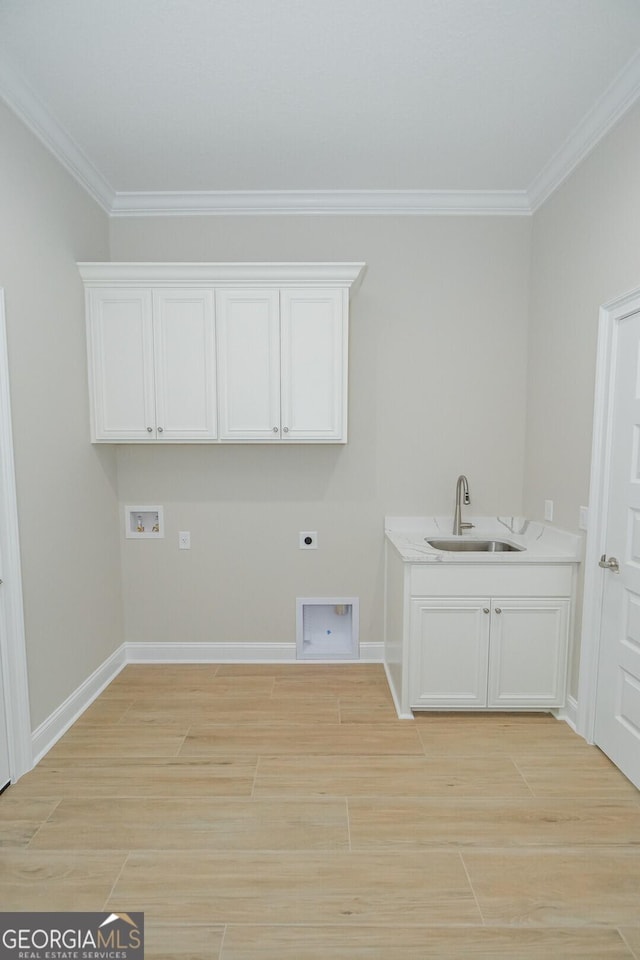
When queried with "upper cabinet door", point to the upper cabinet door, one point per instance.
{"points": [[120, 342], [248, 350], [184, 355], [314, 339]]}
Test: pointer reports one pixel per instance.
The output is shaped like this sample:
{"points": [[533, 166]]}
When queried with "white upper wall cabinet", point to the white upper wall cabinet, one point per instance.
{"points": [[282, 364], [218, 352], [151, 364]]}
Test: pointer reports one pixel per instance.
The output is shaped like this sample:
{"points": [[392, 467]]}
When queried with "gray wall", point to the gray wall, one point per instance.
{"points": [[67, 491], [585, 246], [437, 387], [455, 357]]}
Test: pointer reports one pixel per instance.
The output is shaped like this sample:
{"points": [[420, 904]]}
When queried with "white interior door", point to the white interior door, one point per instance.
{"points": [[5, 765], [617, 714], [15, 723]]}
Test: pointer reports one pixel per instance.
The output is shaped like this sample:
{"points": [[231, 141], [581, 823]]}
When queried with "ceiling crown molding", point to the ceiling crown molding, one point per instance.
{"points": [[326, 202], [605, 113], [617, 99], [272, 274], [19, 96]]}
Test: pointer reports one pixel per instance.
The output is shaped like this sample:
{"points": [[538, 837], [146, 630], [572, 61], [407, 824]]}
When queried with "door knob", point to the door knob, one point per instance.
{"points": [[610, 564]]}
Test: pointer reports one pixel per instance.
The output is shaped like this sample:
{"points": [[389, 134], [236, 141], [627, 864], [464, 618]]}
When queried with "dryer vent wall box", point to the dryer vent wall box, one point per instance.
{"points": [[144, 523], [327, 628]]}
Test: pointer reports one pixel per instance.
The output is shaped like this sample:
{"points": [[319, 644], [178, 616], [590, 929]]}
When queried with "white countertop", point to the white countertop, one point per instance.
{"points": [[541, 542]]}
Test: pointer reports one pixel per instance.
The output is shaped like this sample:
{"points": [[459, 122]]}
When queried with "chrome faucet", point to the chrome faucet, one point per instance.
{"points": [[462, 491]]}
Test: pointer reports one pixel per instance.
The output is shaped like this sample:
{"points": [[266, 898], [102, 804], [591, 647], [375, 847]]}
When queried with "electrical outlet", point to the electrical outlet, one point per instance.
{"points": [[548, 510], [184, 540], [308, 540]]}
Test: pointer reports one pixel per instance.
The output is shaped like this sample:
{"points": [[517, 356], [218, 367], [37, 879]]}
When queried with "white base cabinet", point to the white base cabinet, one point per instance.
{"points": [[218, 352], [481, 636], [489, 652]]}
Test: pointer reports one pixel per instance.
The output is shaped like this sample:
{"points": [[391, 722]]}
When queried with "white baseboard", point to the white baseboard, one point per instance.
{"points": [[568, 713], [51, 729], [396, 702], [233, 653], [210, 652]]}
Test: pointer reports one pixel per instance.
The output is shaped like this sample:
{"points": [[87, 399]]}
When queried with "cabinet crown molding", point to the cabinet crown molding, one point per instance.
{"points": [[347, 275]]}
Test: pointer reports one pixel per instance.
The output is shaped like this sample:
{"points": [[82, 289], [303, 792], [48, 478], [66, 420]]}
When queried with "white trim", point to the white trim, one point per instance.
{"points": [[608, 109], [323, 202], [399, 711], [568, 713], [19, 96], [224, 274], [610, 315], [12, 634], [232, 653], [50, 730], [210, 652]]}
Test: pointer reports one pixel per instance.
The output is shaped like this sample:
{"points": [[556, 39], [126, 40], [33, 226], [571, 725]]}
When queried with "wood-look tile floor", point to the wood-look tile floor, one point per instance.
{"points": [[284, 813]]}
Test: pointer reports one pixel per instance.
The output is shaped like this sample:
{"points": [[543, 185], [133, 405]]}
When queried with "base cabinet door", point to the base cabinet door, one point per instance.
{"points": [[450, 647], [528, 652]]}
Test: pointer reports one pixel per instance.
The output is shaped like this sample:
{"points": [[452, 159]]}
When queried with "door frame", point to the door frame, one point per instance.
{"points": [[611, 314], [13, 655]]}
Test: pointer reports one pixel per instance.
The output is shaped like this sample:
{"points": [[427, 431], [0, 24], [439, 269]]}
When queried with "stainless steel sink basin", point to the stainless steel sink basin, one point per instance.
{"points": [[474, 546]]}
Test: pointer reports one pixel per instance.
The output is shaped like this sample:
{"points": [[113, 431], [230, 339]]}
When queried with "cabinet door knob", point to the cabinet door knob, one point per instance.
{"points": [[275, 429], [160, 430], [285, 429], [498, 610], [486, 610], [149, 429]]}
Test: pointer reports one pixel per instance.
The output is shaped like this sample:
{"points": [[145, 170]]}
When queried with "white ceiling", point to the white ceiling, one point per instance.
{"points": [[188, 105]]}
